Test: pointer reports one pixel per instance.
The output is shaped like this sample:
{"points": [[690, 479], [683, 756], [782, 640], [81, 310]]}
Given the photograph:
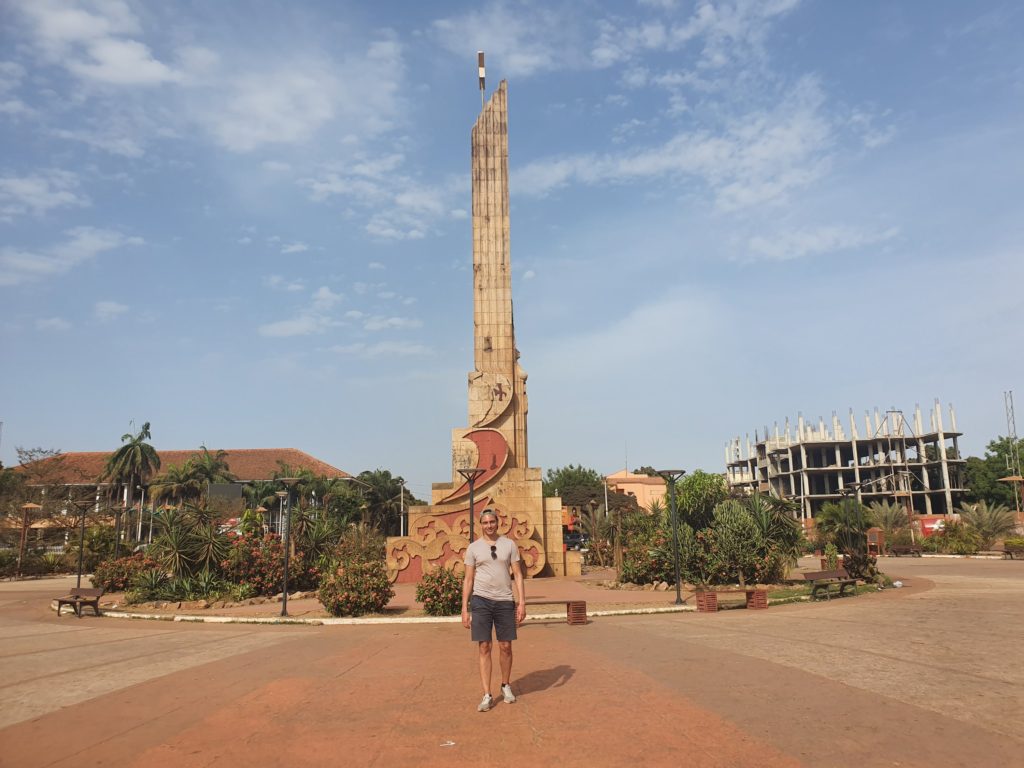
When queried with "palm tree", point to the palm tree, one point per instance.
{"points": [[131, 465], [206, 468], [891, 518], [383, 499], [175, 483], [989, 522]]}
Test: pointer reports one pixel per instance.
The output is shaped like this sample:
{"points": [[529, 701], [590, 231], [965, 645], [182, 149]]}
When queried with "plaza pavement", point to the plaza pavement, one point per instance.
{"points": [[929, 675]]}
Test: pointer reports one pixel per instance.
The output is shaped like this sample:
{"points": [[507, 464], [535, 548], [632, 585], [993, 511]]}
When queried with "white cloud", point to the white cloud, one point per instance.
{"points": [[758, 158], [94, 41], [108, 310], [796, 244], [518, 41], [275, 166], [294, 248], [303, 325], [52, 324], [288, 100], [312, 319], [375, 265], [39, 193], [11, 75], [726, 33], [83, 243], [397, 206], [381, 323], [529, 274], [280, 283], [384, 349], [114, 141], [324, 298]]}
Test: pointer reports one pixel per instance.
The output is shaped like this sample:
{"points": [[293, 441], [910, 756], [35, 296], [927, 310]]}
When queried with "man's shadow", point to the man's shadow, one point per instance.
{"points": [[542, 679]]}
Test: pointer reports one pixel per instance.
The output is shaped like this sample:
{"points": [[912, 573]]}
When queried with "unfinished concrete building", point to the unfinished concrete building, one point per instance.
{"points": [[890, 460]]}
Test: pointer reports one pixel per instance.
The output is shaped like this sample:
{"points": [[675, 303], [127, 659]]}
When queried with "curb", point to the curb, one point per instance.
{"points": [[331, 621]]}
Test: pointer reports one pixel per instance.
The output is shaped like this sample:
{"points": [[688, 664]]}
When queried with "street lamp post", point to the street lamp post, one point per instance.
{"points": [[289, 483], [671, 476], [471, 475]]}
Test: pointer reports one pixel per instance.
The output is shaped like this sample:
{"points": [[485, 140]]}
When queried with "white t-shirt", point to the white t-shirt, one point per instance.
{"points": [[492, 578]]}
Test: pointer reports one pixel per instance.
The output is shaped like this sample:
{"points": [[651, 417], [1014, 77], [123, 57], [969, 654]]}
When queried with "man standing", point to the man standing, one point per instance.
{"points": [[492, 561]]}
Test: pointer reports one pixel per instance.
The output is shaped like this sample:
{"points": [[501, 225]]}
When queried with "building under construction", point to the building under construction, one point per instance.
{"points": [[891, 460]]}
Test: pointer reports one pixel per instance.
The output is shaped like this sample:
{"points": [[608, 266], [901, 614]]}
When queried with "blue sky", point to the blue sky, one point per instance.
{"points": [[247, 222]]}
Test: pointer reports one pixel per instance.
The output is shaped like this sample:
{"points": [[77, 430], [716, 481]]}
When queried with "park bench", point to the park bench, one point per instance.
{"points": [[707, 599], [1012, 553], [80, 596], [575, 610], [823, 581], [914, 550]]}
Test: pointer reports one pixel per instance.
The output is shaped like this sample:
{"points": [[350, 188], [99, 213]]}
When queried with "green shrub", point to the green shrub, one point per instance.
{"points": [[440, 592], [831, 556], [150, 584], [955, 538], [117, 575], [360, 543], [1014, 543], [54, 562], [355, 588]]}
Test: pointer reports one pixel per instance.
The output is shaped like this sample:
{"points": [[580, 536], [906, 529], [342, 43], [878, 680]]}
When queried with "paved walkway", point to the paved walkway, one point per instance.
{"points": [[930, 675]]}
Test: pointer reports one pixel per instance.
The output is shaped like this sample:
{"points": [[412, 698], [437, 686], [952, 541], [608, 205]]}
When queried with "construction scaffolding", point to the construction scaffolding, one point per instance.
{"points": [[894, 461]]}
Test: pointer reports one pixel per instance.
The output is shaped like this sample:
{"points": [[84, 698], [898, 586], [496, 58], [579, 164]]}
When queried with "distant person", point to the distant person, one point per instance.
{"points": [[492, 561]]}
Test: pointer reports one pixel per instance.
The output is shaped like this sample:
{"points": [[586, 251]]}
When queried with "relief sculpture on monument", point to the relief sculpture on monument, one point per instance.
{"points": [[495, 441]]}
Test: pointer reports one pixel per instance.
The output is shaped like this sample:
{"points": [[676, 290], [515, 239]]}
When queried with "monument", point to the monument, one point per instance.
{"points": [[495, 442]]}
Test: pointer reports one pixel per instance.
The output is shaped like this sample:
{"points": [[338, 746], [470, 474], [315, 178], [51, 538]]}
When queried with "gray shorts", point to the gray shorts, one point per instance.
{"points": [[500, 614]]}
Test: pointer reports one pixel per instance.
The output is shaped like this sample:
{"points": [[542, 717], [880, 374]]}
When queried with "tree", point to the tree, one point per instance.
{"points": [[573, 477], [697, 496], [982, 474], [176, 484], [130, 465], [891, 518], [990, 522], [736, 539], [206, 468], [384, 494]]}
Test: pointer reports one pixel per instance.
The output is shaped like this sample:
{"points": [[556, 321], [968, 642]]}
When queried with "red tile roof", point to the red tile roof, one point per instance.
{"points": [[243, 463]]}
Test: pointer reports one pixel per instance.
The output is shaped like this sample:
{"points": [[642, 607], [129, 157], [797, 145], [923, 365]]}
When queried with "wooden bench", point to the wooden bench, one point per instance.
{"points": [[914, 550], [80, 596], [823, 581], [1012, 553], [707, 599], [575, 610]]}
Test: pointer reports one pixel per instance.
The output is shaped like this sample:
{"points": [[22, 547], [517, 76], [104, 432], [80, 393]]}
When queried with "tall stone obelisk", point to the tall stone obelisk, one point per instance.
{"points": [[495, 441]]}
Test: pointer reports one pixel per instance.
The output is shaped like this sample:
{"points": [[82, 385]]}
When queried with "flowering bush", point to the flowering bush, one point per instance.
{"points": [[440, 592], [355, 588], [257, 561], [117, 575]]}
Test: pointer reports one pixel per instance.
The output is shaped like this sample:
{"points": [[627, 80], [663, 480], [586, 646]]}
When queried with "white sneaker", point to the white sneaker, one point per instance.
{"points": [[485, 703], [506, 691]]}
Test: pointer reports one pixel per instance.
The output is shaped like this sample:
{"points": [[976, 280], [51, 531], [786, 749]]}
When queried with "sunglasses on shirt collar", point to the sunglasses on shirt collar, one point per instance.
{"points": [[494, 551]]}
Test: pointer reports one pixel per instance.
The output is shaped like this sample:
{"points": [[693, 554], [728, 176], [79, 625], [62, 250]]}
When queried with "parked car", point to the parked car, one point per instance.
{"points": [[575, 539]]}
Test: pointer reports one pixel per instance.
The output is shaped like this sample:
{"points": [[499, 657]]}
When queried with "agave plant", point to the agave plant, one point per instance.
{"points": [[175, 547], [210, 546], [990, 523]]}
